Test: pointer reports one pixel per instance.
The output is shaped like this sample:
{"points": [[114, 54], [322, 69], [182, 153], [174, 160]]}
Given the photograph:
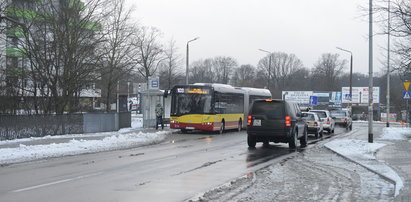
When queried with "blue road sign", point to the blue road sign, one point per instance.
{"points": [[338, 96], [406, 95], [313, 100], [347, 96]]}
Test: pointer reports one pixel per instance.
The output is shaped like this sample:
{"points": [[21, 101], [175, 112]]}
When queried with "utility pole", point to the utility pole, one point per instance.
{"points": [[370, 81], [388, 64], [118, 103]]}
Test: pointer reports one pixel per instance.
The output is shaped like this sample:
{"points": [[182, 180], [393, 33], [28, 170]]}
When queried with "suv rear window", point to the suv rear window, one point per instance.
{"points": [[272, 110]]}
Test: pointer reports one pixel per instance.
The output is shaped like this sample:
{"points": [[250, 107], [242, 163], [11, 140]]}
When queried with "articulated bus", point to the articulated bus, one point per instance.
{"points": [[212, 107]]}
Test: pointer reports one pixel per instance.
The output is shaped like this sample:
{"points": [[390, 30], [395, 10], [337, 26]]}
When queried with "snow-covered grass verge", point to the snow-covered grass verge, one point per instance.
{"points": [[363, 153], [396, 134], [74, 147], [136, 122], [355, 148]]}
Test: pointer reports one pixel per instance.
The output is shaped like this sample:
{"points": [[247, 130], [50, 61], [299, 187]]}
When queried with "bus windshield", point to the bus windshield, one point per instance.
{"points": [[191, 104]]}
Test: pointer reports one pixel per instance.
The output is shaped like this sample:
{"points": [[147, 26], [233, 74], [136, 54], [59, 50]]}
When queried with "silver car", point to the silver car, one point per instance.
{"points": [[342, 118], [315, 126], [326, 119]]}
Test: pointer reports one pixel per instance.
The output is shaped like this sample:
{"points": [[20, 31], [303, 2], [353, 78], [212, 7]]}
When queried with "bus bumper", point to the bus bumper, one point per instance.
{"points": [[195, 126]]}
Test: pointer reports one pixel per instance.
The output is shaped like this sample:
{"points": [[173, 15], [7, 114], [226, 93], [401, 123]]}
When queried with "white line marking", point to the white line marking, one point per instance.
{"points": [[56, 182]]}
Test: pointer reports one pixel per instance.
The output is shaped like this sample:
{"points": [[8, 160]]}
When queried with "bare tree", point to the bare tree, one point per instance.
{"points": [[170, 69], [117, 48], [213, 70], [400, 30], [150, 52], [202, 71], [299, 80], [60, 42], [223, 68], [327, 71], [3, 6], [244, 76], [281, 67]]}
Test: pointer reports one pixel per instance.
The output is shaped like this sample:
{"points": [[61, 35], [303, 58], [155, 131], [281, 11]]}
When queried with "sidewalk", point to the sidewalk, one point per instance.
{"points": [[389, 156]]}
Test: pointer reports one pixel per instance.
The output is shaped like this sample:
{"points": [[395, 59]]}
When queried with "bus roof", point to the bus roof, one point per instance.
{"points": [[256, 91], [225, 88]]}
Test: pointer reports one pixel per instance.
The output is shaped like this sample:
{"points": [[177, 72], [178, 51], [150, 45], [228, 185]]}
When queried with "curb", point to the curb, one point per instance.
{"points": [[366, 167]]}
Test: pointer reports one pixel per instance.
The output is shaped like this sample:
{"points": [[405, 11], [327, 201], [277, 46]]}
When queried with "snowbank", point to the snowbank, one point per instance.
{"points": [[74, 147], [396, 134], [359, 148]]}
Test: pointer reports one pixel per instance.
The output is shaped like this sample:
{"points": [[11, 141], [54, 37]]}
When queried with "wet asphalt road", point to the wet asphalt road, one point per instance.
{"points": [[175, 170]]}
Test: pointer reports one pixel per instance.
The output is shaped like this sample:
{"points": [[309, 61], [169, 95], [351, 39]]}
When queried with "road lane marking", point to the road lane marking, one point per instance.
{"points": [[56, 182]]}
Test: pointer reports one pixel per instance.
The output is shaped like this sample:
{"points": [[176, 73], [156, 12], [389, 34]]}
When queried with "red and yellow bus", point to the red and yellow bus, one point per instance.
{"points": [[211, 107]]}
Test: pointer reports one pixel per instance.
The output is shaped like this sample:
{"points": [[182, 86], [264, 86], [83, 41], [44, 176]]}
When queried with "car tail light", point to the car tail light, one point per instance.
{"points": [[328, 121], [315, 123], [345, 120], [249, 117], [287, 121]]}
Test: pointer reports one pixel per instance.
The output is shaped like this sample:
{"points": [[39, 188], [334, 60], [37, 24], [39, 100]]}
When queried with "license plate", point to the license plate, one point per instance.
{"points": [[190, 128], [256, 122]]}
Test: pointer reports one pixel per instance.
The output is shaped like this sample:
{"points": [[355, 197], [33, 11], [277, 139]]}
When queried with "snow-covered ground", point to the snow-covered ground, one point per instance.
{"points": [[97, 142], [363, 152], [396, 134]]}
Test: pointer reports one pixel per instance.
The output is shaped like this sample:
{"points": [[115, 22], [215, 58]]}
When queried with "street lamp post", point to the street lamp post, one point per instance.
{"points": [[187, 60], [128, 95], [118, 97], [269, 66], [388, 65], [370, 81], [350, 104]]}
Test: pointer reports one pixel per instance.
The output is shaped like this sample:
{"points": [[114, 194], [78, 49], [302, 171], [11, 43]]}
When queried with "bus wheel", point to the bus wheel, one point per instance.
{"points": [[184, 131], [222, 128], [240, 125]]}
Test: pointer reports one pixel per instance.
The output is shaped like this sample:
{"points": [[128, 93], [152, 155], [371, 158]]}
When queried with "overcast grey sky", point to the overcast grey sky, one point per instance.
{"points": [[238, 28]]}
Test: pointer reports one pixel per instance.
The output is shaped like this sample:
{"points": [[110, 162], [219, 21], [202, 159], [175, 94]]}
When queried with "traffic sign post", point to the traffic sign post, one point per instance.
{"points": [[406, 95], [313, 100], [406, 85], [348, 97]]}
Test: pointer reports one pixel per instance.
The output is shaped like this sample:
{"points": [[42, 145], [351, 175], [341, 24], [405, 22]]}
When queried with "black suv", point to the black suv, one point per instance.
{"points": [[276, 121]]}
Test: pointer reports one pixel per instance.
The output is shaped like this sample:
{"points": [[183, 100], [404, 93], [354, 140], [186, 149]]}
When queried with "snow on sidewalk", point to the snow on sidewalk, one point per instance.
{"points": [[396, 134], [113, 141], [363, 153]]}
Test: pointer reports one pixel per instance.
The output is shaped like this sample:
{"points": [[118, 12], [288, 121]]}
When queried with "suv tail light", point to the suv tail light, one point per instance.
{"points": [[328, 121], [315, 123], [249, 118], [287, 121]]}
